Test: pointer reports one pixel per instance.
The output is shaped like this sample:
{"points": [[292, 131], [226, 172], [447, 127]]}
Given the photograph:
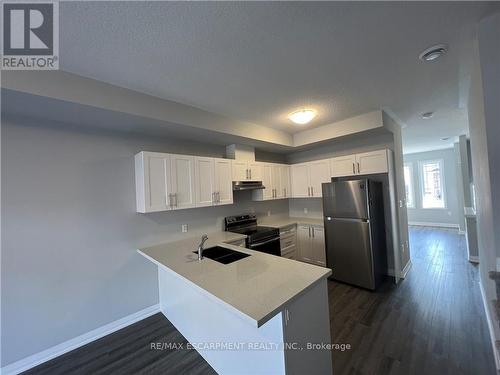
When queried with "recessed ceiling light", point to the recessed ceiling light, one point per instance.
{"points": [[433, 53], [303, 116], [427, 115]]}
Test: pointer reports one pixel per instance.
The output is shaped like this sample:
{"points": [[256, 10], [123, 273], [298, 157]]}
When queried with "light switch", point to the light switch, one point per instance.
{"points": [[184, 228], [306, 211]]}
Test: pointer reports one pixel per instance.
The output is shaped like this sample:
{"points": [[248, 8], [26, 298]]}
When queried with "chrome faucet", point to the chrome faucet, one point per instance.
{"points": [[200, 247]]}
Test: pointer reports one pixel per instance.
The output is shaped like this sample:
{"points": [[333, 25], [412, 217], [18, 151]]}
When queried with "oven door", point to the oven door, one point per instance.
{"points": [[269, 246]]}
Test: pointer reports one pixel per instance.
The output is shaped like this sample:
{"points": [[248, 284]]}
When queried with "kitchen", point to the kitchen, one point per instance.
{"points": [[206, 194]]}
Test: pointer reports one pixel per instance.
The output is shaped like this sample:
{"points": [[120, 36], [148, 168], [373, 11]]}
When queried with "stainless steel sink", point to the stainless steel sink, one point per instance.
{"points": [[223, 255]]}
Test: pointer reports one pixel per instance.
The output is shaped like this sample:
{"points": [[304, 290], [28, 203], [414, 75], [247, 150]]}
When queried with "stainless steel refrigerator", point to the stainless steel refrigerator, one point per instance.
{"points": [[355, 232]]}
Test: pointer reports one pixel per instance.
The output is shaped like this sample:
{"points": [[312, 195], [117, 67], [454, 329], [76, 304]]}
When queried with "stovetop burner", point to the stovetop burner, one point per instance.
{"points": [[247, 224]]}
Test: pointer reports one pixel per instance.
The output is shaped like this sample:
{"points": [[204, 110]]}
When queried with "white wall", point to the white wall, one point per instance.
{"points": [[70, 231], [484, 118], [448, 215]]}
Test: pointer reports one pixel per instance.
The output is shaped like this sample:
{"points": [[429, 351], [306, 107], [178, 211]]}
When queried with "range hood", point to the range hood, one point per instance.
{"points": [[247, 185], [245, 154]]}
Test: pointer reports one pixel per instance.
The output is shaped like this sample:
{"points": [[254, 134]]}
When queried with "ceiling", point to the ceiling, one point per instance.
{"points": [[259, 61]]}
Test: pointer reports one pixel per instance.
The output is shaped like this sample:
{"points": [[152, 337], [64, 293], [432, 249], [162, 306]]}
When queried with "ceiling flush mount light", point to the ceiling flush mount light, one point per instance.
{"points": [[445, 138], [302, 117], [427, 115], [433, 53]]}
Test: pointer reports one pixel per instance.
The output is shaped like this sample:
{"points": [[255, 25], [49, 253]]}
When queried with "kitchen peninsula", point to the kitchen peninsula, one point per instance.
{"points": [[254, 315]]}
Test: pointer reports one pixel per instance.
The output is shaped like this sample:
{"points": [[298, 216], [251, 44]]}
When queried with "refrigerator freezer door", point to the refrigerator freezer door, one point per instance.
{"points": [[346, 199], [348, 251]]}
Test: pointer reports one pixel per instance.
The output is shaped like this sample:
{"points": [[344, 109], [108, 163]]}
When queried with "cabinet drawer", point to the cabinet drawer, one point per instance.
{"points": [[289, 250], [291, 255], [288, 241]]}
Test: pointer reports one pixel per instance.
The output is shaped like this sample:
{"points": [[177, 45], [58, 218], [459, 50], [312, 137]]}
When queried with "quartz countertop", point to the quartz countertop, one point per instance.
{"points": [[256, 287], [282, 222]]}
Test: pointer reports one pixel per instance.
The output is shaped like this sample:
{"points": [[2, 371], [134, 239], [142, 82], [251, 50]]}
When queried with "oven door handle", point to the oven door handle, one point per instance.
{"points": [[264, 242]]}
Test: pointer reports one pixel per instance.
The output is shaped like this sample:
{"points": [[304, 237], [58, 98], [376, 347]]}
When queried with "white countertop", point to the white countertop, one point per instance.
{"points": [[256, 287], [281, 222]]}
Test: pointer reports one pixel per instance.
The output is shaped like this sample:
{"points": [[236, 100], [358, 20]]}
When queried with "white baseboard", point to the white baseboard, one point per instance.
{"points": [[74, 343], [490, 326], [473, 259], [437, 225], [406, 269]]}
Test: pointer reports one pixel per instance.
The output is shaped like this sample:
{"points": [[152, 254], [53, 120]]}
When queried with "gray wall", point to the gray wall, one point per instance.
{"points": [[70, 231], [449, 215]]}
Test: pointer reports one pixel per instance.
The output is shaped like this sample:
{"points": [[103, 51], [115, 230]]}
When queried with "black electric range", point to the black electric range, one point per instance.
{"points": [[259, 238]]}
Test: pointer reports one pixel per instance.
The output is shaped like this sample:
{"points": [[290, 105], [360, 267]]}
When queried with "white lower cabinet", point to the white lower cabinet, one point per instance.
{"points": [[311, 241]]}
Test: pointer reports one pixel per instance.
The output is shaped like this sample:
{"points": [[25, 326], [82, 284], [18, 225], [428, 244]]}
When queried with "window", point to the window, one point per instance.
{"points": [[410, 197], [432, 184]]}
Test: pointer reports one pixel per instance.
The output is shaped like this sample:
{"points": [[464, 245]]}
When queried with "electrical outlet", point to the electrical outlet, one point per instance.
{"points": [[184, 228], [306, 211], [268, 212]]}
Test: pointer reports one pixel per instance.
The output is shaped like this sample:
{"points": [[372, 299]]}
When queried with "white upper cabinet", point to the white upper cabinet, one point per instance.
{"points": [[285, 181], [255, 170], [343, 166], [308, 177], [171, 182], [276, 180], [151, 171], [319, 172], [300, 180], [213, 182], [267, 181], [182, 181], [372, 162], [359, 164], [246, 170], [223, 181], [205, 181], [240, 170]]}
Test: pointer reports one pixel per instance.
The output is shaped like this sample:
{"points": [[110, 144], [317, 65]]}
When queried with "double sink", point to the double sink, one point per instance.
{"points": [[223, 255]]}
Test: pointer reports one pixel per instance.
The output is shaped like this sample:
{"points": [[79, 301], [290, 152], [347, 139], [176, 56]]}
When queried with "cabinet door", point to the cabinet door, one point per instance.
{"points": [[239, 170], [267, 181], [204, 182], [319, 172], [318, 246], [343, 166], [223, 181], [276, 181], [152, 181], [372, 162], [182, 180], [285, 181], [255, 171], [300, 180], [304, 242]]}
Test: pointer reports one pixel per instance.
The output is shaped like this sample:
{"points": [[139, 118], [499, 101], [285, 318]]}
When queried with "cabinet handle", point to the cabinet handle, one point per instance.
{"points": [[312, 191], [175, 195], [250, 173], [308, 191], [284, 192], [353, 168], [213, 197], [359, 171], [170, 200], [218, 197], [309, 232], [313, 231]]}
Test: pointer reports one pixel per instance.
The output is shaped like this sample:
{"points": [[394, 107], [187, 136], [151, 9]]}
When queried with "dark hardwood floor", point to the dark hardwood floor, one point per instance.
{"points": [[432, 323]]}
